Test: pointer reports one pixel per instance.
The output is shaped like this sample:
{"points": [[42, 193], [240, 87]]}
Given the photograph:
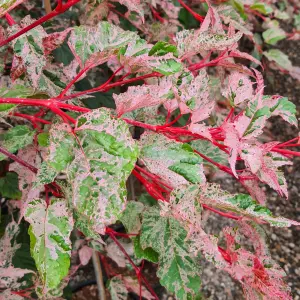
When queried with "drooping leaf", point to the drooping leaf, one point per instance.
{"points": [[178, 270], [239, 88], [281, 106], [279, 58], [173, 161], [85, 253], [147, 253], [50, 245], [16, 138], [9, 186]]}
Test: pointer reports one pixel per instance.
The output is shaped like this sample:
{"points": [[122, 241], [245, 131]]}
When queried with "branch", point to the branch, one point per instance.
{"points": [[137, 269], [19, 160], [40, 21]]}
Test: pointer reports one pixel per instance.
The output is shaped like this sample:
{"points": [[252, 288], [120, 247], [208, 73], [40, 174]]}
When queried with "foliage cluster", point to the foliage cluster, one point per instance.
{"points": [[96, 95]]}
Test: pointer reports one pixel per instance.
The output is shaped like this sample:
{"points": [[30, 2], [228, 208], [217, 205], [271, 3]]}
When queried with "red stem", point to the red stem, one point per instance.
{"points": [[57, 11], [194, 14], [226, 215], [288, 152], [31, 118], [19, 160], [103, 87], [9, 19], [137, 269]]}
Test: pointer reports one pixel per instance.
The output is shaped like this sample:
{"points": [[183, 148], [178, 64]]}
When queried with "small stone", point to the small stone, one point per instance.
{"points": [[273, 237]]}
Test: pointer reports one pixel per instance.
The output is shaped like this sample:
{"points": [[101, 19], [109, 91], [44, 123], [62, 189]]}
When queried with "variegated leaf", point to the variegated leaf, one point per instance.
{"points": [[95, 45], [16, 138], [117, 288], [213, 195], [50, 245], [172, 161], [191, 42], [9, 275], [97, 159], [29, 50], [178, 270]]}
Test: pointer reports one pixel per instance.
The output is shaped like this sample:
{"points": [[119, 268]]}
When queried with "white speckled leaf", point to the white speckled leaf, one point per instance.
{"points": [[173, 161], [16, 138], [178, 270], [191, 42], [137, 97], [9, 275], [104, 39], [29, 50], [50, 244]]}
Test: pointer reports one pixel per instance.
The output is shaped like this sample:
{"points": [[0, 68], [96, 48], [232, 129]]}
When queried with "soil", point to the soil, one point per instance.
{"points": [[284, 243]]}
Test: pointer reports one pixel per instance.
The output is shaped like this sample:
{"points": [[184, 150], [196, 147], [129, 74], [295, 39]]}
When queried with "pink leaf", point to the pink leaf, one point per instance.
{"points": [[85, 254], [54, 40], [142, 96], [239, 88]]}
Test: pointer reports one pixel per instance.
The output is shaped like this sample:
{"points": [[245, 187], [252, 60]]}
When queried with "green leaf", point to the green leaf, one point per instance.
{"points": [[178, 270], [16, 138], [262, 8], [174, 162], [279, 58], [273, 35], [117, 289], [162, 48], [43, 139], [168, 67], [297, 21], [147, 253], [50, 245], [9, 186]]}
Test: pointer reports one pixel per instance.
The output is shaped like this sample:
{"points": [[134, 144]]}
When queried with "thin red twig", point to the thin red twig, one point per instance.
{"points": [[137, 269]]}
